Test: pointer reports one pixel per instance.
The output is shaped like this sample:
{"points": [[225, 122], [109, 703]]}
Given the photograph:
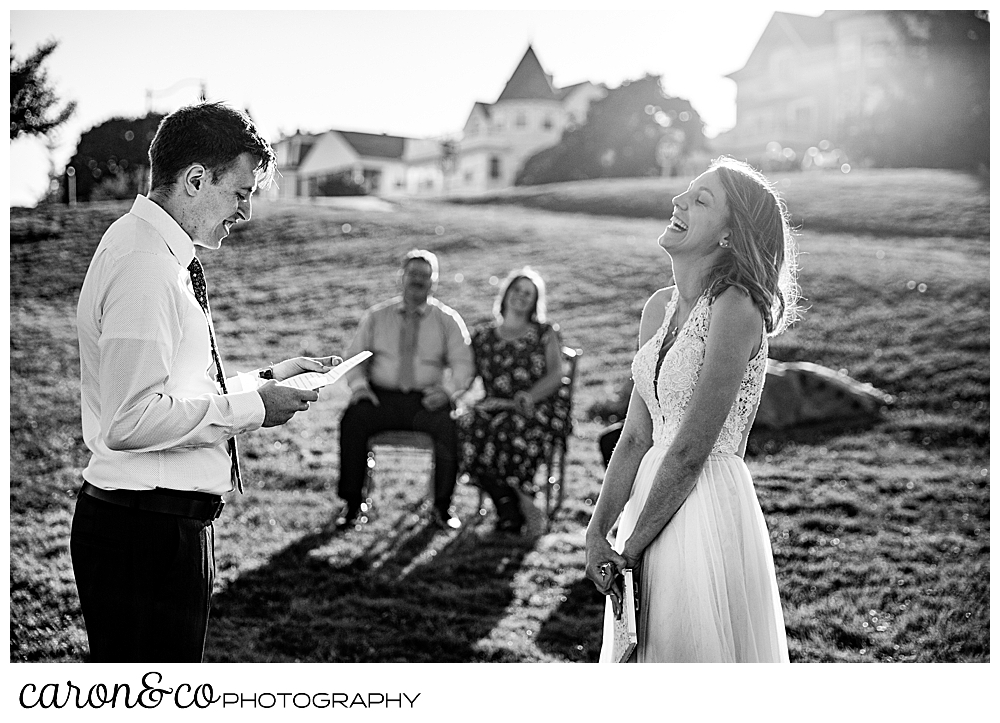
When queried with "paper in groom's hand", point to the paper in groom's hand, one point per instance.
{"points": [[316, 380]]}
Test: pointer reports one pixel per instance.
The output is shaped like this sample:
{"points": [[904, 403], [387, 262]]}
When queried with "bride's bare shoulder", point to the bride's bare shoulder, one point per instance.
{"points": [[653, 313]]}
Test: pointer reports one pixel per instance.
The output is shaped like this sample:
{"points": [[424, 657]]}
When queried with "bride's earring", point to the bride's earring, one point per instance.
{"points": [[724, 244]]}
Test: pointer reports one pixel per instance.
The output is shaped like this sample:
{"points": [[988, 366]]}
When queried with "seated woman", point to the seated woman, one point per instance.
{"points": [[505, 436]]}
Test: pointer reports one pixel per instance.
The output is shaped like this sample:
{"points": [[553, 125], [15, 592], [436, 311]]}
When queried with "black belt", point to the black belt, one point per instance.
{"points": [[196, 505], [386, 390]]}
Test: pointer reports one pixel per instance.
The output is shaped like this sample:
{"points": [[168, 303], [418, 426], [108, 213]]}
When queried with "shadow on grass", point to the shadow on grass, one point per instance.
{"points": [[563, 636], [771, 441], [394, 590]]}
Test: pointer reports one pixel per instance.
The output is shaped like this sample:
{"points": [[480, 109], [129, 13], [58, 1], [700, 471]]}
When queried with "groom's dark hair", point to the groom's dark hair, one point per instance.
{"points": [[212, 134]]}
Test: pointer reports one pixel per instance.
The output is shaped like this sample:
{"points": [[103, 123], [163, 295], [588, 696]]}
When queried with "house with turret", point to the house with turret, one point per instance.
{"points": [[529, 115]]}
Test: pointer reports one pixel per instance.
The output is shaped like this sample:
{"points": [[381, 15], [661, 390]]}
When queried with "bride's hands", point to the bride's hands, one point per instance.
{"points": [[603, 565]]}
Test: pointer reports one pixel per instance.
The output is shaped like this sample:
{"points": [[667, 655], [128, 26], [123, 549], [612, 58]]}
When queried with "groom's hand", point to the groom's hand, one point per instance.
{"points": [[301, 364], [281, 402]]}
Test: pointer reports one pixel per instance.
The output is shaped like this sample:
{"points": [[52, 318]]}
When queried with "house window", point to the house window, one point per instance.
{"points": [[469, 176], [494, 167], [547, 123], [801, 115], [521, 121], [782, 63], [473, 129], [803, 118], [877, 54], [371, 178], [849, 51]]}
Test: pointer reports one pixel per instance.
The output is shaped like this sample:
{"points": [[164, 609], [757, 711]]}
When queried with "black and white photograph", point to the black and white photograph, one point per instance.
{"points": [[532, 333]]}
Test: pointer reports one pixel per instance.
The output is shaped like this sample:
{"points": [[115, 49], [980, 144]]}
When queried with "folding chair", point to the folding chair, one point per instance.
{"points": [[398, 442], [553, 482]]}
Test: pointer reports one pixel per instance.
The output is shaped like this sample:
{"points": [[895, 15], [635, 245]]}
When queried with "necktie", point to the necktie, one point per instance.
{"points": [[201, 294], [408, 349]]}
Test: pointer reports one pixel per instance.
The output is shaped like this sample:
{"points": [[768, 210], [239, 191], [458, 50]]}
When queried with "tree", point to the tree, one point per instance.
{"points": [[32, 98], [340, 184], [934, 111], [112, 158], [635, 130]]}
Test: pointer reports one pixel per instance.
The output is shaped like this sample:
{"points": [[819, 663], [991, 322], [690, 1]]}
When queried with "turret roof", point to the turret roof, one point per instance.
{"points": [[529, 81]]}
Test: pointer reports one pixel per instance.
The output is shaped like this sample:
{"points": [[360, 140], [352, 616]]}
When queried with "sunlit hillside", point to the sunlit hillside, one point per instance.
{"points": [[880, 532]]}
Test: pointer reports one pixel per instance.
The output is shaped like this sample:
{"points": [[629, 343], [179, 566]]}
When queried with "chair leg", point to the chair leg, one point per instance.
{"points": [[368, 491], [556, 469], [550, 480], [562, 476]]}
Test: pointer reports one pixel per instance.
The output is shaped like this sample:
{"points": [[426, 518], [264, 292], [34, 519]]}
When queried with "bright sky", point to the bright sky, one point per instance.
{"points": [[389, 70]]}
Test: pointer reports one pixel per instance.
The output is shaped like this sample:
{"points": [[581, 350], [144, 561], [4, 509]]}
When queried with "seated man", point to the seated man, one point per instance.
{"points": [[413, 339]]}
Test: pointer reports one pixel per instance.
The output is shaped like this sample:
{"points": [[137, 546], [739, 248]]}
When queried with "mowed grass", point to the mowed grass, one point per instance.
{"points": [[880, 533]]}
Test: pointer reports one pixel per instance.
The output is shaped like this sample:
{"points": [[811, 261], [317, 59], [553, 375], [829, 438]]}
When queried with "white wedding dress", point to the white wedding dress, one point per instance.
{"points": [[707, 591]]}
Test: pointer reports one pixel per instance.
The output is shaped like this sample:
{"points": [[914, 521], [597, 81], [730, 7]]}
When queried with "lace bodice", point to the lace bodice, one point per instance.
{"points": [[679, 373]]}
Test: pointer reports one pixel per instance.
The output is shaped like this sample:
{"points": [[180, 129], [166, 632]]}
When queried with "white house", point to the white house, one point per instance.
{"points": [[497, 139], [530, 115], [807, 78]]}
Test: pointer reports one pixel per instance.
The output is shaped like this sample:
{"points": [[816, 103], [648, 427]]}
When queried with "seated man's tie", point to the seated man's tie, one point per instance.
{"points": [[408, 350]]}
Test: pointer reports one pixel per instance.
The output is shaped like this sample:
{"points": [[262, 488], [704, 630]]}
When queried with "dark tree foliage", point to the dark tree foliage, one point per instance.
{"points": [[936, 107], [632, 132], [340, 184], [32, 99], [112, 159]]}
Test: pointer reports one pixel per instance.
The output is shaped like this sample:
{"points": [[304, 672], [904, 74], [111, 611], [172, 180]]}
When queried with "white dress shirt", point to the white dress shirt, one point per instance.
{"points": [[442, 344], [153, 414]]}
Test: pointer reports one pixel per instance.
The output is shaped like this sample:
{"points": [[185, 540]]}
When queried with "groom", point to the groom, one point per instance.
{"points": [[159, 416]]}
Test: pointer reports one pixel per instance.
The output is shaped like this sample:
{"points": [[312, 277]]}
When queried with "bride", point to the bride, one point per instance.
{"points": [[690, 524]]}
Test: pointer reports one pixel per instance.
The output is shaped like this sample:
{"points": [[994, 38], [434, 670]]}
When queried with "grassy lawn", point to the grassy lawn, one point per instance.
{"points": [[880, 534]]}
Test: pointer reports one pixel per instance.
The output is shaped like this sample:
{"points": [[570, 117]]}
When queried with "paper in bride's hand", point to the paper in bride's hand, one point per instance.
{"points": [[315, 380], [626, 632]]}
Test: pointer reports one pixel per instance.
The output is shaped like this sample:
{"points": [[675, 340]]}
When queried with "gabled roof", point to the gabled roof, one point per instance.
{"points": [[787, 29], [374, 145], [806, 31], [305, 143], [484, 107], [529, 81], [561, 93]]}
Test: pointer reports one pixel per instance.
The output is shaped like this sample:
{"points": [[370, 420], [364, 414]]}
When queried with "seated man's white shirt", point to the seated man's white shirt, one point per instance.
{"points": [[443, 343]]}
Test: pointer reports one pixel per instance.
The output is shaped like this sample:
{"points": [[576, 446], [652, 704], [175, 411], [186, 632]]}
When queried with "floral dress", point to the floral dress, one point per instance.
{"points": [[503, 444]]}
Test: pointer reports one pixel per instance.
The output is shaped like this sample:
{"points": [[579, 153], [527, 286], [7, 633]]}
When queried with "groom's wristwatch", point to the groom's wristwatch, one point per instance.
{"points": [[266, 373]]}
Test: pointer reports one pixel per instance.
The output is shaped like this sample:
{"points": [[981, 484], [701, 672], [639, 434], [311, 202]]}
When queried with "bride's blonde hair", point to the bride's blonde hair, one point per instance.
{"points": [[762, 255]]}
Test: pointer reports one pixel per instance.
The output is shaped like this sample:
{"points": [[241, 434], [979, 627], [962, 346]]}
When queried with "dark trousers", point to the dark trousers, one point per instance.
{"points": [[145, 582], [396, 411]]}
